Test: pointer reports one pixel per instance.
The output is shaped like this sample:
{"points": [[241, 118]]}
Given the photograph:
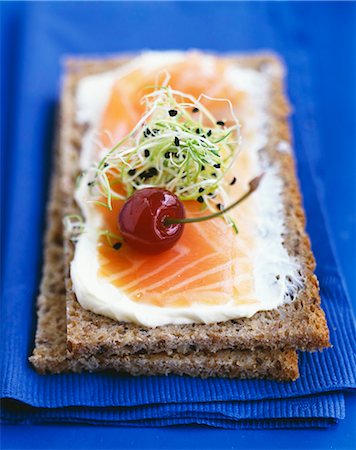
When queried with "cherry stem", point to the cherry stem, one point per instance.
{"points": [[253, 185]]}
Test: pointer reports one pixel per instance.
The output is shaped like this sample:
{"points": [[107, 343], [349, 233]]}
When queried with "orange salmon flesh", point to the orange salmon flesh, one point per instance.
{"points": [[210, 264]]}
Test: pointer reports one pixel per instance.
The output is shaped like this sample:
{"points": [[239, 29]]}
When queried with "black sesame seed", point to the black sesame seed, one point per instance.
{"points": [[132, 172], [220, 206], [209, 133], [200, 199], [172, 112], [202, 167], [220, 122], [106, 164], [233, 181], [117, 245], [217, 166], [195, 110], [91, 183], [214, 174], [197, 131], [176, 141], [201, 189], [166, 155], [147, 132], [278, 277], [155, 131], [146, 153], [153, 171]]}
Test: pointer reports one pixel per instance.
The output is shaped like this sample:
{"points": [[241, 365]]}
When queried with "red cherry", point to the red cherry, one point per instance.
{"points": [[152, 219], [141, 220]]}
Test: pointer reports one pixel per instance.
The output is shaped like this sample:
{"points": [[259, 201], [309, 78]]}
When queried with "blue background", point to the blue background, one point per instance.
{"points": [[327, 32]]}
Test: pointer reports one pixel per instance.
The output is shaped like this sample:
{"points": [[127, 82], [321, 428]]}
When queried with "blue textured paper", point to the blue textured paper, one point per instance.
{"points": [[331, 371], [325, 408]]}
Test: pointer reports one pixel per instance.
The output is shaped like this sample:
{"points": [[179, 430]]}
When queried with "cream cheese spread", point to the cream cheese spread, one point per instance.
{"points": [[275, 272]]}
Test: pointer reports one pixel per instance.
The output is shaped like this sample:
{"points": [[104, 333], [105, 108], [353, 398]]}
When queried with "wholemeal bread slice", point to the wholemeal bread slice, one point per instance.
{"points": [[298, 324], [51, 356]]}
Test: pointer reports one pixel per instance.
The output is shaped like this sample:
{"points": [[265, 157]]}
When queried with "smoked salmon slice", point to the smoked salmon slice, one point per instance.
{"points": [[210, 264]]}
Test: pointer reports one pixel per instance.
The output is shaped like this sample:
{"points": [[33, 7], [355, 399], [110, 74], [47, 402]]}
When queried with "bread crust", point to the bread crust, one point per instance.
{"points": [[299, 324], [71, 338]]}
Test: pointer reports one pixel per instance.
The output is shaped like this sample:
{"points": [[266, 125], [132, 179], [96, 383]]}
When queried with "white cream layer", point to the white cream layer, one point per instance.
{"points": [[270, 257]]}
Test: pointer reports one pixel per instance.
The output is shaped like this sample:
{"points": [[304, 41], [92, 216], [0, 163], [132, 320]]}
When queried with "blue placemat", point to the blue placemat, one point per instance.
{"points": [[176, 400], [322, 410]]}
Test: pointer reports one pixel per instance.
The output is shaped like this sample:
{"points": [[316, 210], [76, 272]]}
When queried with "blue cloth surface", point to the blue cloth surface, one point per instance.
{"points": [[223, 403], [322, 410]]}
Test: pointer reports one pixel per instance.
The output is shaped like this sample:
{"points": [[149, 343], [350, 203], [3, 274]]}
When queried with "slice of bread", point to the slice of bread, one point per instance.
{"points": [[298, 324], [51, 356]]}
